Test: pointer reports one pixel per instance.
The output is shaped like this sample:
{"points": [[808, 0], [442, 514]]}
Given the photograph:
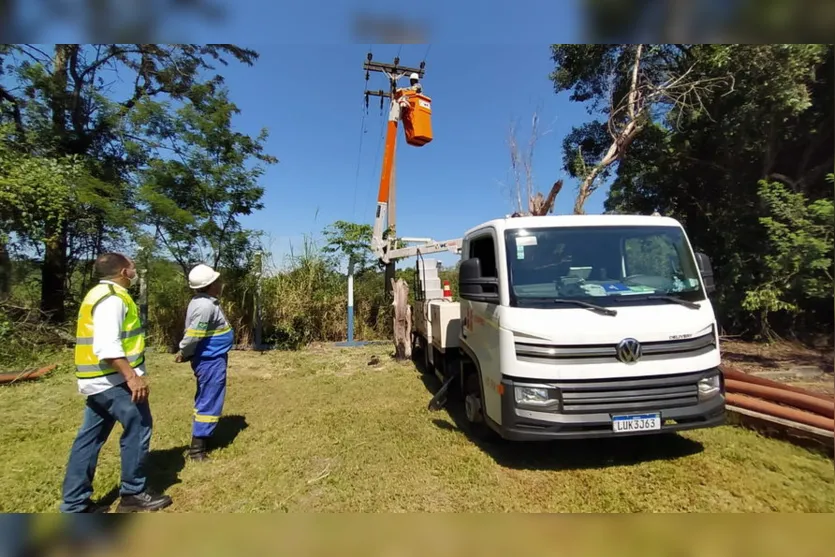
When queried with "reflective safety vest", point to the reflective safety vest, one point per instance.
{"points": [[87, 365]]}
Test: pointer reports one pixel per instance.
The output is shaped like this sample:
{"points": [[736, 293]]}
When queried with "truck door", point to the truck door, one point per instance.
{"points": [[481, 332]]}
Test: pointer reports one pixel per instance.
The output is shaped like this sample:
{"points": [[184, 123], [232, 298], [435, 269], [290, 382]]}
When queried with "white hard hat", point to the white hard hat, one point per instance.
{"points": [[414, 76], [202, 276]]}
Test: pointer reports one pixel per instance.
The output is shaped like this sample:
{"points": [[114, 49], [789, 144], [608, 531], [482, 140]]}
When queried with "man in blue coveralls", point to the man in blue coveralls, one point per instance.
{"points": [[206, 343]]}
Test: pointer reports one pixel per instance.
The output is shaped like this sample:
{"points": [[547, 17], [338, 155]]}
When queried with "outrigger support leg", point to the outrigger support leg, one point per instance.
{"points": [[439, 400]]}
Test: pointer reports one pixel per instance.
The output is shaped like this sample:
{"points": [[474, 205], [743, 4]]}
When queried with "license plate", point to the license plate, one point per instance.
{"points": [[636, 423]]}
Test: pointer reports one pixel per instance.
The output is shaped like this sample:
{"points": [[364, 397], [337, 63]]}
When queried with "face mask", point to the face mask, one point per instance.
{"points": [[134, 279]]}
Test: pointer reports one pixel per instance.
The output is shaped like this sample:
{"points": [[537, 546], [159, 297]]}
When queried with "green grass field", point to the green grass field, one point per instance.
{"points": [[321, 430]]}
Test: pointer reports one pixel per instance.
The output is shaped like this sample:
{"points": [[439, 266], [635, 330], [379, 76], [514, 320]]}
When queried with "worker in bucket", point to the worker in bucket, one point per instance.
{"points": [[414, 82], [206, 344], [110, 369]]}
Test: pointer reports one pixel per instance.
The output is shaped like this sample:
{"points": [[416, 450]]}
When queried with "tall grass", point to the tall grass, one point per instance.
{"points": [[302, 302]]}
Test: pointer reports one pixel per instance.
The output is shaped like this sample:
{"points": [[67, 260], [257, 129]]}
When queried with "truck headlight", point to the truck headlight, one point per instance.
{"points": [[533, 396], [709, 387]]}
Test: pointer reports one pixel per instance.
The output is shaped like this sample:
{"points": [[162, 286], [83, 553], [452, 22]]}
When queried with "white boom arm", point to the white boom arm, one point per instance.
{"points": [[453, 246]]}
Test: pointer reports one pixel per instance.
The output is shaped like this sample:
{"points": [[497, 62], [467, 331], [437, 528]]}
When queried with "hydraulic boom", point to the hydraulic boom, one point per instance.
{"points": [[410, 106]]}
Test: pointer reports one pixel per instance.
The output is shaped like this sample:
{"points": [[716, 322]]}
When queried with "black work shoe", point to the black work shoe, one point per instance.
{"points": [[197, 450], [95, 507], [145, 501]]}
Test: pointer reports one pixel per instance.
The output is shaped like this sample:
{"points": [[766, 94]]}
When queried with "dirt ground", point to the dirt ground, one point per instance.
{"points": [[783, 361]]}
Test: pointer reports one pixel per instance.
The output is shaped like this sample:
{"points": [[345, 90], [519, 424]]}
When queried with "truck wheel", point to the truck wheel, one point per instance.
{"points": [[474, 408]]}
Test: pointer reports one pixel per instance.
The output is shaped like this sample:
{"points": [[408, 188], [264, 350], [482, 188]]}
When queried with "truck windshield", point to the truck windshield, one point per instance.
{"points": [[604, 265]]}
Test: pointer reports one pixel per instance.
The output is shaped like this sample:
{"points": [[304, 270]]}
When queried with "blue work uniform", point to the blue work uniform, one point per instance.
{"points": [[207, 341]]}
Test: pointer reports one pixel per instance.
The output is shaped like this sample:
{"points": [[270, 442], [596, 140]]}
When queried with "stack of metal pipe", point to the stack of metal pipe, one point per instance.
{"points": [[779, 400]]}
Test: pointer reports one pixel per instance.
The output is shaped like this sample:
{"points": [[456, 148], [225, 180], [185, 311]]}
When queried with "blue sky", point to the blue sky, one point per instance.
{"points": [[487, 64], [443, 188]]}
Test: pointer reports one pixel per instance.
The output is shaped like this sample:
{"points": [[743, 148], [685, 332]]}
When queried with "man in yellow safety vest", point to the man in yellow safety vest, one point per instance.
{"points": [[109, 368]]}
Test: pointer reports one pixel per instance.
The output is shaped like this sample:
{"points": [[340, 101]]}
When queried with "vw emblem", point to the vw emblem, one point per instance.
{"points": [[628, 351]]}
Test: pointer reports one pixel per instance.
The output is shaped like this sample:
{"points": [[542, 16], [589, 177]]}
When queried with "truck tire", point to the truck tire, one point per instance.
{"points": [[419, 355], [477, 427]]}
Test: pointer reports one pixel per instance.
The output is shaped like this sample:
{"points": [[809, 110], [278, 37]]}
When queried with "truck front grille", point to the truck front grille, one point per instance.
{"points": [[629, 395]]}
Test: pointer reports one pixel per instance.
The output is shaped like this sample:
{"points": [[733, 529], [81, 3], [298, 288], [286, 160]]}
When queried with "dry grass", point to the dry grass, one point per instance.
{"points": [[321, 430]]}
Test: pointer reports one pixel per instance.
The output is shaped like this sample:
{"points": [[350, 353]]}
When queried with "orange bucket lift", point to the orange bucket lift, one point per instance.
{"points": [[417, 120]]}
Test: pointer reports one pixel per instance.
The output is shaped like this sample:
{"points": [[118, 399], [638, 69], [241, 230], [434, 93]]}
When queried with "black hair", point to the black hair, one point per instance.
{"points": [[110, 264]]}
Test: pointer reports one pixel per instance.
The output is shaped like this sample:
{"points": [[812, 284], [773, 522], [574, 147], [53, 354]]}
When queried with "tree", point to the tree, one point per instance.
{"points": [[798, 258], [37, 196], [631, 85], [353, 242], [195, 198], [705, 168], [527, 200], [65, 103]]}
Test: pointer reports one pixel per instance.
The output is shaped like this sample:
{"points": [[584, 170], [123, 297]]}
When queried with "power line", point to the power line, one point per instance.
{"points": [[359, 152], [359, 159]]}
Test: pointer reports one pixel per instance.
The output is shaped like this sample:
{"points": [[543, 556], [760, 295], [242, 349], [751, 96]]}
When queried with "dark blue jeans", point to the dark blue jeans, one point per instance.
{"points": [[102, 412]]}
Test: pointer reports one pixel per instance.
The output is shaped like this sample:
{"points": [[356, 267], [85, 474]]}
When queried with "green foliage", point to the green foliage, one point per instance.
{"points": [[195, 202], [635, 87], [352, 241], [703, 167], [304, 302], [798, 260], [586, 70], [37, 194], [83, 143], [583, 148]]}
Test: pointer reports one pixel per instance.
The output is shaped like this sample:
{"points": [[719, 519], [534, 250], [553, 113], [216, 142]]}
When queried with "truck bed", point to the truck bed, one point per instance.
{"points": [[439, 322]]}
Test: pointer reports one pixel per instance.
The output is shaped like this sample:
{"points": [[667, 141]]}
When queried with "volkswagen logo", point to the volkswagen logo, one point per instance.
{"points": [[628, 351]]}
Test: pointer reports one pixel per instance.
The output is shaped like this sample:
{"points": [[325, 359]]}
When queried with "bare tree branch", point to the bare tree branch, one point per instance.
{"points": [[633, 90], [521, 163], [633, 113]]}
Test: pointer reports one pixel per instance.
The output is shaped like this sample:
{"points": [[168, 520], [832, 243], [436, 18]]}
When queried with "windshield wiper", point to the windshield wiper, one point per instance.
{"points": [[675, 300], [592, 307]]}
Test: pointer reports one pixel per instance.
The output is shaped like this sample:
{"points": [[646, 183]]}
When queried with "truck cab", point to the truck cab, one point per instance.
{"points": [[586, 326]]}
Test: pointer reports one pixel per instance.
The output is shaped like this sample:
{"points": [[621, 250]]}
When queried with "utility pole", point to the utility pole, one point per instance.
{"points": [[387, 192], [258, 325]]}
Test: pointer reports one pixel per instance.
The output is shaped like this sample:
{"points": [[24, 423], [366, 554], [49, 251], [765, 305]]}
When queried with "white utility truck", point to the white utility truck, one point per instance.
{"points": [[572, 326]]}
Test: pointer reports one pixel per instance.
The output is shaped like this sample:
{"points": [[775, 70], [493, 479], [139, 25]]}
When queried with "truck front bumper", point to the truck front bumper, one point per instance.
{"points": [[586, 408]]}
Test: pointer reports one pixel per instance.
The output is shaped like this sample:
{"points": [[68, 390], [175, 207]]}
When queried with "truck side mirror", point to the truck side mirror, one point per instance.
{"points": [[706, 270], [475, 287]]}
